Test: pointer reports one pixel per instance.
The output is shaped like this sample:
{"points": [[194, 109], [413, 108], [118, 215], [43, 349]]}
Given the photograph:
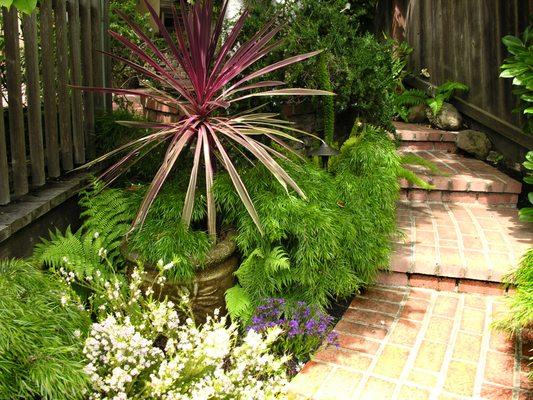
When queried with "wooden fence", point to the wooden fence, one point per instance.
{"points": [[50, 126], [460, 40]]}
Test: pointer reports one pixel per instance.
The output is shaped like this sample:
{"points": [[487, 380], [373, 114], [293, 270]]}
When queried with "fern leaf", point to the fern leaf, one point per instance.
{"points": [[238, 304]]}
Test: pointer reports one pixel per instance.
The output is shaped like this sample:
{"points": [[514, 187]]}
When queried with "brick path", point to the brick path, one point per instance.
{"points": [[458, 240], [413, 343]]}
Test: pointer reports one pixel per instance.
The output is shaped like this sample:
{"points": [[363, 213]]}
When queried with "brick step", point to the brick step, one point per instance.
{"points": [[466, 180], [417, 137], [460, 241]]}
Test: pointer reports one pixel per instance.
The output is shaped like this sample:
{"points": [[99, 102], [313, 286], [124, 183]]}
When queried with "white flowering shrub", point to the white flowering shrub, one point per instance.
{"points": [[143, 347]]}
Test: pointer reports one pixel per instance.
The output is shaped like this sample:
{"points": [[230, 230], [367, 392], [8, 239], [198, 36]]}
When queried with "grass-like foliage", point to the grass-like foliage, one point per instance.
{"points": [[330, 245], [40, 346], [520, 315]]}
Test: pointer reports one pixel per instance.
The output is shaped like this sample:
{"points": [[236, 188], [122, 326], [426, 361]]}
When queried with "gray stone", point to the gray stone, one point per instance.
{"points": [[417, 113], [448, 118], [474, 142]]}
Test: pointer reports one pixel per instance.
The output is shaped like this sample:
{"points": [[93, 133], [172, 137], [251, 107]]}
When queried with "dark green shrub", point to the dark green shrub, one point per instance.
{"points": [[41, 336], [360, 66]]}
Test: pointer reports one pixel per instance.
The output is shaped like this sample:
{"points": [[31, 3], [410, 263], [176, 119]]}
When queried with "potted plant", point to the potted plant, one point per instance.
{"points": [[216, 78]]}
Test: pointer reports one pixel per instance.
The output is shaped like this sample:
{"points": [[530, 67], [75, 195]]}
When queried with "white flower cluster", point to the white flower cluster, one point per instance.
{"points": [[154, 355]]}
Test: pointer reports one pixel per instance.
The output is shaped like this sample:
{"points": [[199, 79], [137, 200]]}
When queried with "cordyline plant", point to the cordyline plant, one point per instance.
{"points": [[215, 79]]}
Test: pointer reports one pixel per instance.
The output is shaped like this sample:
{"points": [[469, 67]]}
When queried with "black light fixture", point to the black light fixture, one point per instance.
{"points": [[325, 152]]}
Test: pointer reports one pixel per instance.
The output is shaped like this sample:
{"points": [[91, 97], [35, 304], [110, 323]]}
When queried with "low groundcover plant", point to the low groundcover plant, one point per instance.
{"points": [[142, 346]]}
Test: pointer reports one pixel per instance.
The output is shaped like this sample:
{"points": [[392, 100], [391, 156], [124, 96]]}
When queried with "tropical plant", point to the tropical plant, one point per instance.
{"points": [[526, 213], [41, 330], [519, 67], [215, 81]]}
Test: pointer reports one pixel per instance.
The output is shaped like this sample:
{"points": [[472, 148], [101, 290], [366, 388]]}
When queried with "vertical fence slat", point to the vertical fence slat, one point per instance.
{"points": [[87, 68], [108, 62], [49, 90], [33, 94], [98, 62], [4, 168], [63, 99], [78, 137], [16, 116]]}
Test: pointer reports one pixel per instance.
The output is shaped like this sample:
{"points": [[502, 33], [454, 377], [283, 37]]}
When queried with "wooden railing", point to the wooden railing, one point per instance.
{"points": [[50, 125]]}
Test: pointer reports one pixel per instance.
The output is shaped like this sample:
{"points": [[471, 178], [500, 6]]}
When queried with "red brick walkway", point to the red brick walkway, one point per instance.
{"points": [[412, 343], [458, 240]]}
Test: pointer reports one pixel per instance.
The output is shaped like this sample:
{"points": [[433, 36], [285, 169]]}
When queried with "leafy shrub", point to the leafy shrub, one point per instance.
{"points": [[443, 93], [329, 245], [526, 213], [360, 66], [518, 66], [40, 330], [304, 328]]}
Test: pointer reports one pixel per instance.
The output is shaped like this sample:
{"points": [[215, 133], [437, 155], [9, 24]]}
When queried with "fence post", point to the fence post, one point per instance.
{"points": [[49, 90], [87, 68], [98, 62], [33, 92], [16, 116], [108, 62], [4, 171], [78, 136], [63, 98]]}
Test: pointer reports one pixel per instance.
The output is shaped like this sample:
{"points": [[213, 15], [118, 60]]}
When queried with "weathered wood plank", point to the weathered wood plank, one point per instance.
{"points": [[87, 69], [78, 135], [63, 91], [98, 61], [49, 90], [5, 197], [16, 116], [33, 93], [108, 62]]}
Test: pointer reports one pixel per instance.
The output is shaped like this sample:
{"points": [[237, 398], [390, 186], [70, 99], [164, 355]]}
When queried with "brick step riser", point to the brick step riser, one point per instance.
{"points": [[442, 283], [447, 196], [448, 147]]}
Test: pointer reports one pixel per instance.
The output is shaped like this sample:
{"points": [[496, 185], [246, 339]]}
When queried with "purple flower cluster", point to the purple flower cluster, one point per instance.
{"points": [[305, 327]]}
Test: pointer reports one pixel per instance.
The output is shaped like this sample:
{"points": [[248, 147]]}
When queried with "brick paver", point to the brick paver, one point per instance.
{"points": [[466, 180], [413, 343], [468, 241]]}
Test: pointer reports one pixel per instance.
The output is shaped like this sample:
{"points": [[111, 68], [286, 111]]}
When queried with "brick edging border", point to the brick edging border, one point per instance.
{"points": [[447, 284]]}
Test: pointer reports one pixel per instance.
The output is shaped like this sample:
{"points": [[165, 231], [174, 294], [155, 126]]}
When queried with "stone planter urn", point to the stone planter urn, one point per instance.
{"points": [[211, 280]]}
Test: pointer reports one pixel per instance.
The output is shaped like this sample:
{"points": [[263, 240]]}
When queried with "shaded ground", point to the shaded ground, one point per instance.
{"points": [[412, 343]]}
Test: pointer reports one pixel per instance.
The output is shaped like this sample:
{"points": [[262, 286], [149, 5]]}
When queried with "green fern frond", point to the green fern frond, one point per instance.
{"points": [[238, 304]]}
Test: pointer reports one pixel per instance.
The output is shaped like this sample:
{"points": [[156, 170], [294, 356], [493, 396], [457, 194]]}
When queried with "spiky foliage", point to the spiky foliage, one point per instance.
{"points": [[328, 107], [414, 159], [520, 315], [40, 346], [215, 78], [330, 245]]}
